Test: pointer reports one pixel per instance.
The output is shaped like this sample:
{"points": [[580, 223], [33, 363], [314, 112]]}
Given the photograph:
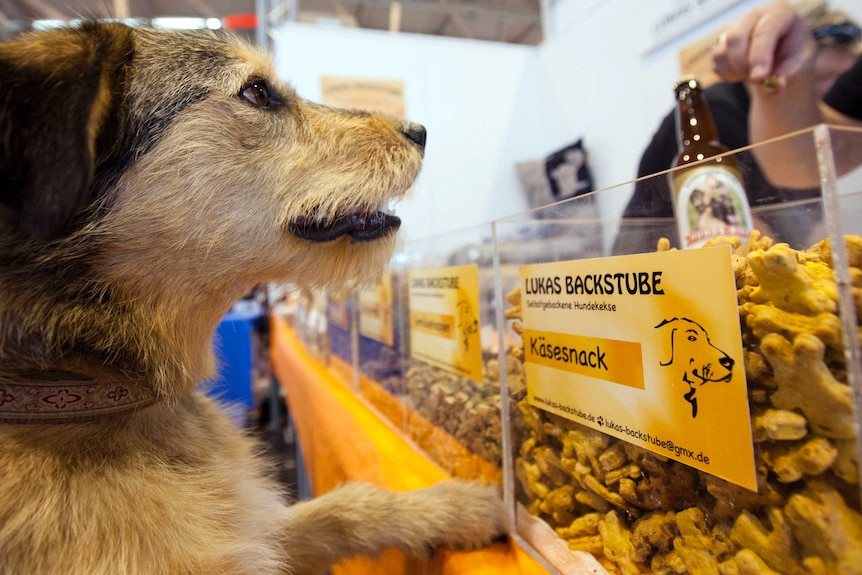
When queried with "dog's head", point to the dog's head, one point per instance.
{"points": [[723, 209], [715, 203], [162, 139], [697, 359], [143, 172]]}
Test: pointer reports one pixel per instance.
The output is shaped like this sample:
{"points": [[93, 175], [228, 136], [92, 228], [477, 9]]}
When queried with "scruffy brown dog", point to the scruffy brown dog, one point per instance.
{"points": [[147, 180]]}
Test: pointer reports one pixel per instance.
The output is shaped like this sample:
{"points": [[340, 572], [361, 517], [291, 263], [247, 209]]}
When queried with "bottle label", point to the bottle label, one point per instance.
{"points": [[711, 202]]}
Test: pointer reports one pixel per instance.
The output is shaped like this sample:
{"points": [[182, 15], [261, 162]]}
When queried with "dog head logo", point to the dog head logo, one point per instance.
{"points": [[695, 359], [713, 206], [467, 322]]}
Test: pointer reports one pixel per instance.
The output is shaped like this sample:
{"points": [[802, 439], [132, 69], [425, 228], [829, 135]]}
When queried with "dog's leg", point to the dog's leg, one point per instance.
{"points": [[361, 519]]}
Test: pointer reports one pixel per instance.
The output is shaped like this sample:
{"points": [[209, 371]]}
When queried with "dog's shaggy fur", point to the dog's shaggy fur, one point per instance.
{"points": [[148, 179]]}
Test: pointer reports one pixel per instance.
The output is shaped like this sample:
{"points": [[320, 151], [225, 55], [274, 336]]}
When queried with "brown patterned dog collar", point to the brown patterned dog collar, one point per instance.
{"points": [[66, 397]]}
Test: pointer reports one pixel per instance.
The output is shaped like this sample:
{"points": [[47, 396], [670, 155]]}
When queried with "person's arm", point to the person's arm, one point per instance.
{"points": [[772, 50]]}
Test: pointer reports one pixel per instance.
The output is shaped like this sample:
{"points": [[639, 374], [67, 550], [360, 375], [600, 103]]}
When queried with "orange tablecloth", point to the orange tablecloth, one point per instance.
{"points": [[342, 439]]}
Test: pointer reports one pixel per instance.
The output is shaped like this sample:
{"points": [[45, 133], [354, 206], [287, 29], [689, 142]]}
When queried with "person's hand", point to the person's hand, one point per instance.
{"points": [[770, 46]]}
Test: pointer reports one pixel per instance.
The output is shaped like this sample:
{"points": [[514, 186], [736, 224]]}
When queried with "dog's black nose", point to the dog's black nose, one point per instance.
{"points": [[416, 133], [726, 362]]}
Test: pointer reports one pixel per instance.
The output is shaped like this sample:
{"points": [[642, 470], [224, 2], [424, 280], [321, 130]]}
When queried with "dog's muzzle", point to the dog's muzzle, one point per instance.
{"points": [[360, 227]]}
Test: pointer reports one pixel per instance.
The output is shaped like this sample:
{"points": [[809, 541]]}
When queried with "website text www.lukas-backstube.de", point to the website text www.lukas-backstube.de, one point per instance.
{"points": [[649, 438]]}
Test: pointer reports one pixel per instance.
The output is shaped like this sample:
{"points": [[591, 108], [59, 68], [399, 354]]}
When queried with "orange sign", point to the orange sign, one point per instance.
{"points": [[444, 319], [375, 311], [645, 349]]}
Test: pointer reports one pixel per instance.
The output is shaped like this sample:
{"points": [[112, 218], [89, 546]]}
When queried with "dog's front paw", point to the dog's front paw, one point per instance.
{"points": [[476, 516]]}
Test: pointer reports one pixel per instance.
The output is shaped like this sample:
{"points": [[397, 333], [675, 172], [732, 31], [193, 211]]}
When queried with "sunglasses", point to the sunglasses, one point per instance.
{"points": [[838, 34]]}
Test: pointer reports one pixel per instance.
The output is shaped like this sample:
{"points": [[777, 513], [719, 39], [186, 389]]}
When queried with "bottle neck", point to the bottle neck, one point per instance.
{"points": [[694, 120]]}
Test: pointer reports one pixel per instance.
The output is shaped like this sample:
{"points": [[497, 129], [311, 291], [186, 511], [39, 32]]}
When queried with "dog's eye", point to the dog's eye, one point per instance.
{"points": [[258, 93]]}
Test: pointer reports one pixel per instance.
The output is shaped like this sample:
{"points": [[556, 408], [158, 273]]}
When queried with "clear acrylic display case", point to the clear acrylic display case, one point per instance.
{"points": [[446, 316], [311, 324], [341, 332], [591, 491], [379, 356]]}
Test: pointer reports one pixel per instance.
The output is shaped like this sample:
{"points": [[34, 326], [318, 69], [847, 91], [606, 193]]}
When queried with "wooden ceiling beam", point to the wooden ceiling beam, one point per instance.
{"points": [[522, 35], [486, 9], [203, 8], [39, 9], [395, 16]]}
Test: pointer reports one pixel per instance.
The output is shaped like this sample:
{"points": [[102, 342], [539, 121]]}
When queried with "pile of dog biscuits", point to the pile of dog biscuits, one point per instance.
{"points": [[467, 410]]}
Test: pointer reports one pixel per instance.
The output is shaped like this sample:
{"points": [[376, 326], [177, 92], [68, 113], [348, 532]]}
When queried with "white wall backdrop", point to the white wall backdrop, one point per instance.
{"points": [[488, 106]]}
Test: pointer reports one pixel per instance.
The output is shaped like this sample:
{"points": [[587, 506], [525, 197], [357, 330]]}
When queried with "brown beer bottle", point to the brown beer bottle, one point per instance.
{"points": [[709, 198]]}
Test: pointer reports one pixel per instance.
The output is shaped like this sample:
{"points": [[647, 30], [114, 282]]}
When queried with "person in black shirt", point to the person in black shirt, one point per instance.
{"points": [[838, 43], [845, 96]]}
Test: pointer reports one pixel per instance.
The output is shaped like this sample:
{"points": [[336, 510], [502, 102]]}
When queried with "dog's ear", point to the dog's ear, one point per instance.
{"points": [[58, 90], [672, 334]]}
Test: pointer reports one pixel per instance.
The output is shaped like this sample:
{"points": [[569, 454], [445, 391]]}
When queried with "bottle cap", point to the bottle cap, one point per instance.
{"points": [[689, 80]]}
